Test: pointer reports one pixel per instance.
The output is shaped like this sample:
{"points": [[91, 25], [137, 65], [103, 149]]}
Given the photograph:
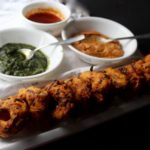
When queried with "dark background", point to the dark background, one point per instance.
{"points": [[134, 126]]}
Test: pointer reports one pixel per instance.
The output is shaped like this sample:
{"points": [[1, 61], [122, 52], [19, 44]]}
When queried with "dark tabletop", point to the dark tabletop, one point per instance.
{"points": [[135, 15]]}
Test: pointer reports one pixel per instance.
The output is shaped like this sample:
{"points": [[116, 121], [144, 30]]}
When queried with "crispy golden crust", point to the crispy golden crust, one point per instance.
{"points": [[146, 68], [138, 66], [80, 89], [99, 83], [59, 91], [62, 111], [67, 93], [118, 79], [135, 80], [13, 116], [62, 94], [36, 99], [142, 67]]}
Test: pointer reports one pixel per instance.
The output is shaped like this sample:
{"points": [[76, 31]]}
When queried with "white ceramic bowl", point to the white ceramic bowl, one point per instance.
{"points": [[53, 28], [104, 26], [36, 38]]}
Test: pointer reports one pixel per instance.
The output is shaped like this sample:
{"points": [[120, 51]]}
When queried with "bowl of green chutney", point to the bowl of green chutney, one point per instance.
{"points": [[13, 64]]}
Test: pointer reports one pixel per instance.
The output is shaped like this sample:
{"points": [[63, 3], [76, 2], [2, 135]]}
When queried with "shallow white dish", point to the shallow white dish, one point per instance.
{"points": [[105, 26], [36, 38]]}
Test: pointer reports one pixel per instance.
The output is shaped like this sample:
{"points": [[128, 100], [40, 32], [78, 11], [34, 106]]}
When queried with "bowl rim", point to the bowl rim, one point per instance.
{"points": [[45, 24], [93, 18], [36, 75]]}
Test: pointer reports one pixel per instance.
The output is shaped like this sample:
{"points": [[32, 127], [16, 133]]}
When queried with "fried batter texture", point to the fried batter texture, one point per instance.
{"points": [[65, 95], [37, 100], [13, 116]]}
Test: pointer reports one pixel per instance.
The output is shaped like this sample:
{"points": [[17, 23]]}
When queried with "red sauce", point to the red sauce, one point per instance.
{"points": [[45, 15]]}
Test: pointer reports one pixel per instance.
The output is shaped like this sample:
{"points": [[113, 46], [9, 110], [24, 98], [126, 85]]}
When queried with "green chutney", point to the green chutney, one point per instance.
{"points": [[13, 62]]}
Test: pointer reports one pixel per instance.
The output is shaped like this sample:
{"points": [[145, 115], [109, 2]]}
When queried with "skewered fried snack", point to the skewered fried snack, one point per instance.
{"points": [[67, 94], [146, 68], [37, 100], [134, 80], [118, 79], [62, 95], [99, 84], [13, 116], [80, 89], [62, 110], [142, 68], [16, 110], [59, 91]]}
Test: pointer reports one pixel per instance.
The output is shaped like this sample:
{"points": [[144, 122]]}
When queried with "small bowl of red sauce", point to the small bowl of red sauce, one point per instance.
{"points": [[48, 16]]}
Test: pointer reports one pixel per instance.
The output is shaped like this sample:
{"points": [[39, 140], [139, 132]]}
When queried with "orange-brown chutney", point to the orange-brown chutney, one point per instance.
{"points": [[91, 45]]}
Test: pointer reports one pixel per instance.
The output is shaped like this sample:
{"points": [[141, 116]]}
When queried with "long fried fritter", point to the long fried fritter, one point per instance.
{"points": [[36, 99], [67, 94], [13, 116]]}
